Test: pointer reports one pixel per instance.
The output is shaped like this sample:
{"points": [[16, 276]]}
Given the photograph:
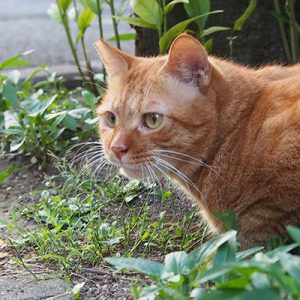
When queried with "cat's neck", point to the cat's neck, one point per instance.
{"points": [[237, 90]]}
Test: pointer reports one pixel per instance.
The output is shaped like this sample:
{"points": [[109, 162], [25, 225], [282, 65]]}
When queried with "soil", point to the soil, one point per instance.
{"points": [[23, 188]]}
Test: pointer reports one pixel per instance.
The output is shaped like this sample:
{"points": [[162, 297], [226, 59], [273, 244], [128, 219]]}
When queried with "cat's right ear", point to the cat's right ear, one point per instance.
{"points": [[116, 62], [188, 62]]}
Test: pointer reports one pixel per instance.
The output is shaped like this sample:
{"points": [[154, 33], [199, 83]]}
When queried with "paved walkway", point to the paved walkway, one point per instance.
{"points": [[25, 24]]}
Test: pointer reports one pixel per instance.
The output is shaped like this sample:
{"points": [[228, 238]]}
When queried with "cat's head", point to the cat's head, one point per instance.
{"points": [[157, 112]]}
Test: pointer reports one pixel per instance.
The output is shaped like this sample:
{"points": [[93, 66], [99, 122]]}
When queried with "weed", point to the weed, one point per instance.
{"points": [[81, 219]]}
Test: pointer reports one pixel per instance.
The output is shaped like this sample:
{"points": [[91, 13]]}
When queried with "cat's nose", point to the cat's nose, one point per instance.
{"points": [[119, 151]]}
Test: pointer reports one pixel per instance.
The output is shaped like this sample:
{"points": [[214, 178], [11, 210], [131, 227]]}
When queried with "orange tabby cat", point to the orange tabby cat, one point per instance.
{"points": [[228, 135]]}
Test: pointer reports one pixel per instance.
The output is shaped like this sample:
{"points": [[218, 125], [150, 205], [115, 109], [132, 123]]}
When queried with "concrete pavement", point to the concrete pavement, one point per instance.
{"points": [[25, 24]]}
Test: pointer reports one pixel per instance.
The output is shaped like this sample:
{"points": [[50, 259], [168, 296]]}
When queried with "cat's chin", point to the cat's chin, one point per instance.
{"points": [[131, 173]]}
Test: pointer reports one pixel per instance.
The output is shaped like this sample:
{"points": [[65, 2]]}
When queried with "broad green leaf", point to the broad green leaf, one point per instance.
{"points": [[14, 76], [136, 21], [4, 174], [208, 45], [241, 294], [13, 131], [53, 12], [41, 107], [89, 99], [166, 40], [228, 218], [239, 23], [124, 37], [291, 264], [209, 248], [149, 292], [171, 5], [246, 253], [178, 263], [15, 145], [149, 11], [275, 253], [212, 30], [70, 122], [10, 95], [294, 232], [85, 19], [15, 61], [93, 5], [246, 268], [150, 268], [225, 253], [11, 119], [198, 7], [64, 4]]}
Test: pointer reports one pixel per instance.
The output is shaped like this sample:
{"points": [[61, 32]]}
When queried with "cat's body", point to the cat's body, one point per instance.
{"points": [[229, 135]]}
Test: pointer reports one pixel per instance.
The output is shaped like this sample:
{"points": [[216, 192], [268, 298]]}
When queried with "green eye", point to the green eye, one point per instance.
{"points": [[153, 120], [110, 119]]}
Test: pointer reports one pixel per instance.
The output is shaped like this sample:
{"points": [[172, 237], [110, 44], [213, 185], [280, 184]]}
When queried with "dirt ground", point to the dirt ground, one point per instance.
{"points": [[16, 283]]}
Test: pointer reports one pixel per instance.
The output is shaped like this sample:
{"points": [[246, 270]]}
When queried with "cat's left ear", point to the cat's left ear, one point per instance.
{"points": [[116, 62], [188, 62]]}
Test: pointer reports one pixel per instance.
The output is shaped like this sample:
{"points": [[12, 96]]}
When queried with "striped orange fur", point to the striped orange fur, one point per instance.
{"points": [[229, 137]]}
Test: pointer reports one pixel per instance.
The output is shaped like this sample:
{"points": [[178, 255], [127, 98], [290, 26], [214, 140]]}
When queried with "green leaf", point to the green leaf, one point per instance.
{"points": [[228, 218], [41, 108], [166, 40], [150, 268], [85, 19], [6, 173], [209, 248], [10, 95], [136, 21], [15, 61], [212, 30], [149, 11], [15, 145], [208, 45], [124, 37], [280, 250], [92, 4], [246, 253], [171, 5], [89, 99], [240, 294], [294, 232], [64, 4], [291, 264], [239, 23], [70, 122], [198, 7], [178, 263], [225, 253], [53, 12], [11, 119]]}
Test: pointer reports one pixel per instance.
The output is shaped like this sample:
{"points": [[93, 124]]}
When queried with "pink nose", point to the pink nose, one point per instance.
{"points": [[119, 151]]}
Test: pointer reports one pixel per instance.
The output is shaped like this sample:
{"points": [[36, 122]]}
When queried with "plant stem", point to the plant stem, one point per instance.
{"points": [[70, 41], [99, 14], [115, 25], [91, 84], [165, 16], [282, 31], [290, 9]]}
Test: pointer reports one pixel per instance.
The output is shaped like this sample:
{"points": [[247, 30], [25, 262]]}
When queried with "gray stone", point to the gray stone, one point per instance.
{"points": [[26, 288]]}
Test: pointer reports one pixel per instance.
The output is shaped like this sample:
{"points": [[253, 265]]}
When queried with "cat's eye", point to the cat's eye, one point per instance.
{"points": [[110, 119], [153, 120]]}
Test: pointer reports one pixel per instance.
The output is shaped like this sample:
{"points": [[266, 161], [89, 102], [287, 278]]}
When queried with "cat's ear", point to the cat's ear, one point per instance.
{"points": [[116, 62], [188, 61]]}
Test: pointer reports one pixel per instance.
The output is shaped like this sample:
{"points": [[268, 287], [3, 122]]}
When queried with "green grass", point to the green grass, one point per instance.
{"points": [[80, 220]]}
